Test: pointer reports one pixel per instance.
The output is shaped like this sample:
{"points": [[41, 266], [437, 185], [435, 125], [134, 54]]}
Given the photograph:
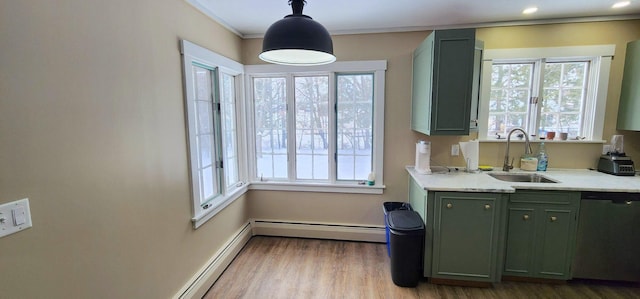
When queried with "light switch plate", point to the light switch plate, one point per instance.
{"points": [[14, 217], [455, 149]]}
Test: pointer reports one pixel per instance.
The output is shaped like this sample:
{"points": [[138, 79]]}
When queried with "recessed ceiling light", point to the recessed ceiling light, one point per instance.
{"points": [[621, 4], [529, 10]]}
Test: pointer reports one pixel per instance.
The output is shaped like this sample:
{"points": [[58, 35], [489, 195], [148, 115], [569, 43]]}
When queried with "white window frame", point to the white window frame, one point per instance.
{"points": [[600, 57], [377, 67], [194, 54]]}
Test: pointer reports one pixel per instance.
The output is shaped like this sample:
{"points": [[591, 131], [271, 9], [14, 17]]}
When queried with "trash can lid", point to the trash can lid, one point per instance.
{"points": [[405, 220], [395, 205]]}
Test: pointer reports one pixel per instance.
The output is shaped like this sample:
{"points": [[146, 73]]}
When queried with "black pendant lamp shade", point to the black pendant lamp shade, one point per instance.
{"points": [[297, 40]]}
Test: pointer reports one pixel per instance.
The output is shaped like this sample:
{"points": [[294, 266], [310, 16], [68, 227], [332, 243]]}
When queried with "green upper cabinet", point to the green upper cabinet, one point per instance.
{"points": [[630, 94], [446, 76], [467, 236], [541, 234]]}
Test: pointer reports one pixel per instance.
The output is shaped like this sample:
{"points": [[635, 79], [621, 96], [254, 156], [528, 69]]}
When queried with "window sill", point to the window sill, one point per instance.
{"points": [[317, 187], [204, 217], [504, 140]]}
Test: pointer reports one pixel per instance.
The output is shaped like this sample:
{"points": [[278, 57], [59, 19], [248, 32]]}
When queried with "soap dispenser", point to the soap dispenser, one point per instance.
{"points": [[543, 158]]}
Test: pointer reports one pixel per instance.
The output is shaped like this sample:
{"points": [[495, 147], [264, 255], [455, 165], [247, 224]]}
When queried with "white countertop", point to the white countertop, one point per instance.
{"points": [[567, 179]]}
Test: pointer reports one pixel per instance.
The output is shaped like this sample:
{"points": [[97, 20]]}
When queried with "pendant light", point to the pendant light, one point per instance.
{"points": [[297, 40]]}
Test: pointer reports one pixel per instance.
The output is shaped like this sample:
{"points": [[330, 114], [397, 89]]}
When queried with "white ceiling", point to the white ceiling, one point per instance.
{"points": [[251, 18]]}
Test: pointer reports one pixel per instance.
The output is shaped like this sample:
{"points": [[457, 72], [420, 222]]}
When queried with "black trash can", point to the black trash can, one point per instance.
{"points": [[406, 240], [392, 206]]}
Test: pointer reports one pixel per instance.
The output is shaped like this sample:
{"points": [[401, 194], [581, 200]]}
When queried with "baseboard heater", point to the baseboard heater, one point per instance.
{"points": [[318, 230]]}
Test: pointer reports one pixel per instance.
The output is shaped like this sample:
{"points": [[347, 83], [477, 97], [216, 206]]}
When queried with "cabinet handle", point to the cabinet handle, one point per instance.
{"points": [[554, 218], [486, 207], [525, 217], [449, 206]]}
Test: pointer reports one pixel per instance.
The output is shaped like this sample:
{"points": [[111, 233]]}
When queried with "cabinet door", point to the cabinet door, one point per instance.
{"points": [[445, 70], [475, 87], [421, 87], [630, 93], [555, 244], [521, 241], [541, 234], [452, 81], [465, 236]]}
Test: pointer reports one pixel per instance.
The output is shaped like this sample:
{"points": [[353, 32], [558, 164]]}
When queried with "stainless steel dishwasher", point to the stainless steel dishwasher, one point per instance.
{"points": [[608, 241]]}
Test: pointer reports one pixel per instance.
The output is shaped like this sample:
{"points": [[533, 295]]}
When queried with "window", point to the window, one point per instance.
{"points": [[229, 129], [354, 126], [544, 90], [270, 106], [317, 125], [312, 127], [211, 83]]}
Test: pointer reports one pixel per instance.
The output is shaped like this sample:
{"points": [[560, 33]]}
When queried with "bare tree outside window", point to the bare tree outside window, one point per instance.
{"points": [[271, 126], [561, 107], [511, 85], [354, 126], [312, 126], [565, 89]]}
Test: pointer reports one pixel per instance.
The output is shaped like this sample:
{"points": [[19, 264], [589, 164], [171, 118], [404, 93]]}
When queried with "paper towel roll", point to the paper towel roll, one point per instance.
{"points": [[471, 153], [423, 156]]}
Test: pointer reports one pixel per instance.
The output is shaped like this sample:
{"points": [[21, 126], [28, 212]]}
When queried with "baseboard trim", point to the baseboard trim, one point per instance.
{"points": [[198, 285], [318, 230]]}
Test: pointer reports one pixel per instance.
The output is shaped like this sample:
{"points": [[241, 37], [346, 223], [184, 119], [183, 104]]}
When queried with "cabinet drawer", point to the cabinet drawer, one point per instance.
{"points": [[545, 197]]}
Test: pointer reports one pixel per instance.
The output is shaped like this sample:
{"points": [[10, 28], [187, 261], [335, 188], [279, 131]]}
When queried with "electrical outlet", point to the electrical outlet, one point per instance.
{"points": [[14, 217], [455, 149], [606, 148]]}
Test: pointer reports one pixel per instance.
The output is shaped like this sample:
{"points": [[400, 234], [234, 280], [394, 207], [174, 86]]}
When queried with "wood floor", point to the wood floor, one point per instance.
{"points": [[270, 267]]}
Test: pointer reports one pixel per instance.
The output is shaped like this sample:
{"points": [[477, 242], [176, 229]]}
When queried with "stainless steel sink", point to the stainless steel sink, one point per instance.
{"points": [[522, 177]]}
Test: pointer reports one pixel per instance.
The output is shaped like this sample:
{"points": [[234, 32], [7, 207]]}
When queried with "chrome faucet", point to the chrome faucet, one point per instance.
{"points": [[527, 148]]}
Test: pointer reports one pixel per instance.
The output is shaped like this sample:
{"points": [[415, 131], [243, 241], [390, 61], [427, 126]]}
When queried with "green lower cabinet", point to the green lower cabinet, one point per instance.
{"points": [[466, 236], [520, 241], [541, 232]]}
